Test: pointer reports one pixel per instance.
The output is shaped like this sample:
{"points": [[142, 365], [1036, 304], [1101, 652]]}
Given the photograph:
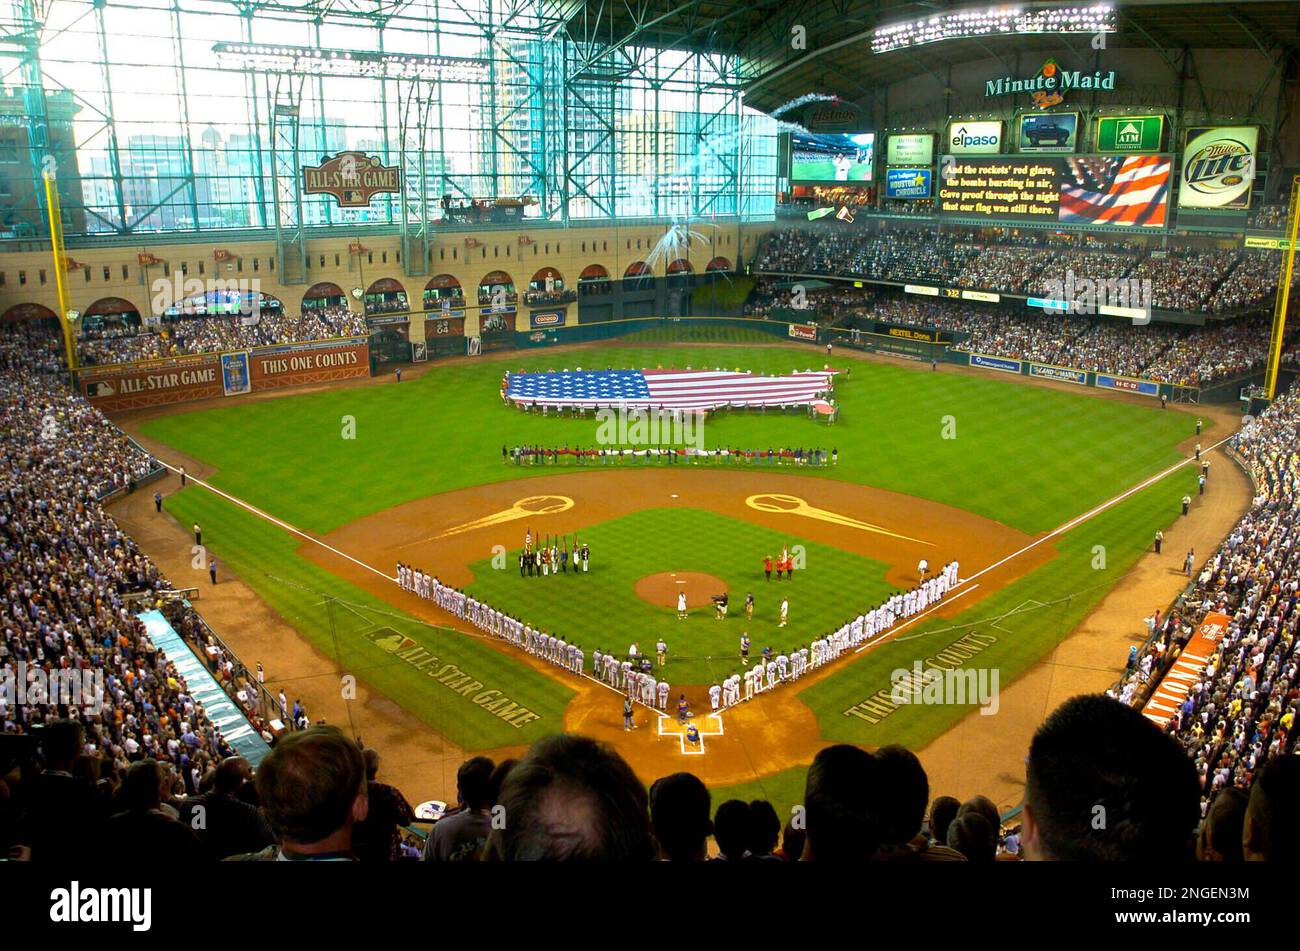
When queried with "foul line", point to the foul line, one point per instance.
{"points": [[275, 521], [1095, 511], [885, 635], [356, 561], [1060, 530]]}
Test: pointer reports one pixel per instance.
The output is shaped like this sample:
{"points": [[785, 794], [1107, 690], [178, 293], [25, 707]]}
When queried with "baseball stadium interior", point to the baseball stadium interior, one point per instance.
{"points": [[494, 430]]}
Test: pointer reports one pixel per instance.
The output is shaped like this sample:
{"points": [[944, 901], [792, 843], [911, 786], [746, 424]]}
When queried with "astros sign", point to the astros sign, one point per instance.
{"points": [[353, 178]]}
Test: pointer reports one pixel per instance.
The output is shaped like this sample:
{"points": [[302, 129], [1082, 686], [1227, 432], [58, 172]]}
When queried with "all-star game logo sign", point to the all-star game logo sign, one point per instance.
{"points": [[353, 178]]}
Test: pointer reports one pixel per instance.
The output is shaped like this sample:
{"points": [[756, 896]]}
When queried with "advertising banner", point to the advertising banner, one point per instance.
{"points": [[910, 148], [1171, 693], [546, 318], [132, 385], [909, 182], [234, 373], [995, 363], [1130, 133], [1272, 244], [1046, 371], [974, 138], [351, 178], [1218, 167], [1049, 132], [1131, 190], [803, 331], [1128, 385], [183, 379]]}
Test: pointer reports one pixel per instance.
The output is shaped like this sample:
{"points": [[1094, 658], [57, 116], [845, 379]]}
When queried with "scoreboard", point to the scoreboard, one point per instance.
{"points": [[1128, 190]]}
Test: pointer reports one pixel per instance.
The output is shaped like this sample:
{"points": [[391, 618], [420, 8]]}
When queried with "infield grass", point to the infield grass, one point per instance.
{"points": [[1027, 456], [601, 608]]}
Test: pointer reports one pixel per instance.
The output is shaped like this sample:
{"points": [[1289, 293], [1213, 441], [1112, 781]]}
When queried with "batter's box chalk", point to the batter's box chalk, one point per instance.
{"points": [[710, 725]]}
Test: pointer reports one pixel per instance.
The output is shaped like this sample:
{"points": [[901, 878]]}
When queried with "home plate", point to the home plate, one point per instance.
{"points": [[679, 730]]}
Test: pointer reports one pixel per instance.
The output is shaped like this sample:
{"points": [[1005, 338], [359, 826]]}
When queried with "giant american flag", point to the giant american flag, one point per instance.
{"points": [[667, 389], [1114, 190]]}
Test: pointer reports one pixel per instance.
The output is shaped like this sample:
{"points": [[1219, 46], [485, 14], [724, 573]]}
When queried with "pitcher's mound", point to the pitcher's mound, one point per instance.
{"points": [[661, 589]]}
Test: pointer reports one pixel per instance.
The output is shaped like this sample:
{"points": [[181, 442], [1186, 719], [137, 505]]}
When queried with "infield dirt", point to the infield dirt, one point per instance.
{"points": [[979, 755]]}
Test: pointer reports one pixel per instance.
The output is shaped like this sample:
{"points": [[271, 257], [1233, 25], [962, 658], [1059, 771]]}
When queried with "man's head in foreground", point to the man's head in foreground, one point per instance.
{"points": [[571, 797], [312, 787], [1105, 785]]}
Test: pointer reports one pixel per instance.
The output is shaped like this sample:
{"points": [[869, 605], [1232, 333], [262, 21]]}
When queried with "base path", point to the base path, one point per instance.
{"points": [[981, 754], [449, 532]]}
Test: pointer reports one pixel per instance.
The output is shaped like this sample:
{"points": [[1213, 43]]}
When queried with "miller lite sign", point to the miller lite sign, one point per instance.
{"points": [[1219, 167], [352, 178]]}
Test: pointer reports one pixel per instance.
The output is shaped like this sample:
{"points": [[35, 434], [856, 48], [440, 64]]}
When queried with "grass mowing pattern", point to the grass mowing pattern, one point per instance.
{"points": [[1029, 457], [601, 609], [256, 549], [1022, 638], [1025, 456]]}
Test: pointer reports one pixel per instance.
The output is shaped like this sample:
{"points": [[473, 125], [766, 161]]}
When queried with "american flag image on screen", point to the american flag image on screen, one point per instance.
{"points": [[667, 389], [1116, 190]]}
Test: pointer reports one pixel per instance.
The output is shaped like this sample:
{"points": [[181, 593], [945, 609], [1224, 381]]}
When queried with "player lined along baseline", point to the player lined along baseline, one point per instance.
{"points": [[867, 630], [1058, 531]]}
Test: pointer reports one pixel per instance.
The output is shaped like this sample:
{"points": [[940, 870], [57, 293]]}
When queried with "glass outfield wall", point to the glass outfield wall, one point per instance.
{"points": [[175, 116]]}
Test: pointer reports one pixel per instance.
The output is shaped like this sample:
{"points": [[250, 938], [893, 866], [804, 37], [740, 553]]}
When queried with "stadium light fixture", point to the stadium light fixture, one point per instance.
{"points": [[308, 61], [1014, 19]]}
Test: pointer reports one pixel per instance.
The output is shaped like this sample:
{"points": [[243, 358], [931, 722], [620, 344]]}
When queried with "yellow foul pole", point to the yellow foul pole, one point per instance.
{"points": [[61, 274], [1283, 298]]}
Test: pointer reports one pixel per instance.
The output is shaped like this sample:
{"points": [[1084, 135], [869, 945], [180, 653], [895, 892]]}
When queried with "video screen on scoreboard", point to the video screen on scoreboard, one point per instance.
{"points": [[1131, 190], [832, 158]]}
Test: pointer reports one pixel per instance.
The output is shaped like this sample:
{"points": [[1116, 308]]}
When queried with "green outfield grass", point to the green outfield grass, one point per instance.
{"points": [[600, 609], [1027, 456]]}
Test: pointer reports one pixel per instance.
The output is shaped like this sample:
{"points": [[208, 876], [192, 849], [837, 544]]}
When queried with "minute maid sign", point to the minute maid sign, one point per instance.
{"points": [[1047, 89]]}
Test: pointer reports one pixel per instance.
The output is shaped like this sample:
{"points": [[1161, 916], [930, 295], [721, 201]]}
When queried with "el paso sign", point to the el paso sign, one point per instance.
{"points": [[353, 178]]}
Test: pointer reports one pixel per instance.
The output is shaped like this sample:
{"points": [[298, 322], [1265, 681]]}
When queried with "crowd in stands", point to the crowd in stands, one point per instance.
{"points": [[1191, 281], [1172, 353], [73, 583], [455, 299], [1241, 711], [824, 303], [387, 305], [215, 334], [1269, 217], [543, 298], [316, 796]]}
